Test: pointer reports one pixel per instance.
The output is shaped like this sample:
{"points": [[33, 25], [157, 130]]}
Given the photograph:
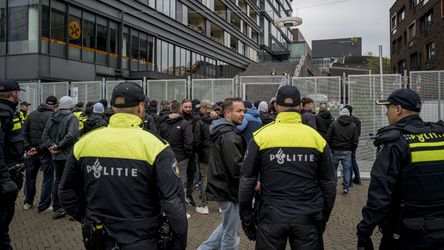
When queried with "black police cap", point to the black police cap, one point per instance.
{"points": [[131, 92], [406, 98], [7, 85]]}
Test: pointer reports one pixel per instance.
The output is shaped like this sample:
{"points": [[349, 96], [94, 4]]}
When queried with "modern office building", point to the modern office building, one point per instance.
{"points": [[55, 40], [417, 35]]}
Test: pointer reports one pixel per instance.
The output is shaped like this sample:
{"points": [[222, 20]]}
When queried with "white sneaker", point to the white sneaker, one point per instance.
{"points": [[188, 215], [48, 210], [202, 210], [220, 210], [27, 206]]}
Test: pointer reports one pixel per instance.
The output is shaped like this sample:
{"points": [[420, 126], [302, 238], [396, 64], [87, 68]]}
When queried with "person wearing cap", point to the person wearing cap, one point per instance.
{"points": [[96, 119], [60, 134], [79, 112], [129, 178], [405, 195], [39, 155], [298, 183], [342, 137], [202, 136], [227, 152], [11, 156], [24, 108], [250, 123]]}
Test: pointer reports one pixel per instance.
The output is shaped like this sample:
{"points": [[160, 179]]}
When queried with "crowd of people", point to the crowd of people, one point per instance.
{"points": [[125, 170]]}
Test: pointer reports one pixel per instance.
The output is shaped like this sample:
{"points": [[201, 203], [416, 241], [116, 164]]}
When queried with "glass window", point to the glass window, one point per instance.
{"points": [[159, 5], [102, 41], [134, 50], [150, 53], [152, 3], [125, 47], [143, 56], [23, 26], [89, 37], [74, 33], [430, 50], [173, 9], [266, 35], [164, 63], [113, 34], [188, 62], [3, 27], [170, 59], [166, 7], [58, 31], [177, 60]]}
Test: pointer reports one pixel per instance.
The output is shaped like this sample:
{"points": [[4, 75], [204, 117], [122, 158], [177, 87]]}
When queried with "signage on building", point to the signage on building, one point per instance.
{"points": [[74, 30]]}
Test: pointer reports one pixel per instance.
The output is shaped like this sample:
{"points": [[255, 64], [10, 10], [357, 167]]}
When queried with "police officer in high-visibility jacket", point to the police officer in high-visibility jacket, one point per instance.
{"points": [[406, 195], [11, 156], [297, 176], [120, 179]]}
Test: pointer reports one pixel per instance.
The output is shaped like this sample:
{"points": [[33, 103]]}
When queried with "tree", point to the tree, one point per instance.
{"points": [[373, 64]]}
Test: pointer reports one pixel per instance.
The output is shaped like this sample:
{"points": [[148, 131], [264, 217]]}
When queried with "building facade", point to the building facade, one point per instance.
{"points": [[417, 35], [78, 40]]}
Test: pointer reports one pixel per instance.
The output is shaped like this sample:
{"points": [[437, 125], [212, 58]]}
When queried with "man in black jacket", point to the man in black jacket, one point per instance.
{"points": [[119, 180], [11, 156], [323, 120], [39, 155], [148, 120], [308, 117], [96, 119], [355, 166], [60, 134], [342, 136], [405, 196], [298, 184], [179, 134], [226, 155]]}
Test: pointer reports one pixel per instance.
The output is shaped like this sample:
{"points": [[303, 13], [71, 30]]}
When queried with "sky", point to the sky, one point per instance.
{"points": [[328, 19]]}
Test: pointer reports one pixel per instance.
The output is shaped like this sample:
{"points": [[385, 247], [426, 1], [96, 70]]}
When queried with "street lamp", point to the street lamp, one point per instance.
{"points": [[288, 22]]}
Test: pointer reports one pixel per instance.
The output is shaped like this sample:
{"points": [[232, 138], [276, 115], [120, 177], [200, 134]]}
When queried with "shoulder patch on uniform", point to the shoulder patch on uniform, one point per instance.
{"points": [[175, 168]]}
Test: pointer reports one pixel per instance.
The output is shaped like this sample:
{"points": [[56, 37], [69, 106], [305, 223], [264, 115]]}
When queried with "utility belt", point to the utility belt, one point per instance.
{"points": [[16, 172], [421, 226], [95, 237]]}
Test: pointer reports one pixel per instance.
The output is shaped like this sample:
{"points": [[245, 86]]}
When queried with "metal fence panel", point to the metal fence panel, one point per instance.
{"points": [[167, 89], [261, 87], [429, 85], [31, 94], [321, 90], [363, 91], [110, 85], [88, 91], [212, 89], [57, 89]]}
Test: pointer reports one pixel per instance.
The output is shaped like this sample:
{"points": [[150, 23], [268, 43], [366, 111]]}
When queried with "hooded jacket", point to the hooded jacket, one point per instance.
{"points": [[94, 121], [308, 118], [226, 156], [250, 124], [151, 110], [323, 121], [62, 129], [34, 126], [343, 134], [179, 134], [202, 131]]}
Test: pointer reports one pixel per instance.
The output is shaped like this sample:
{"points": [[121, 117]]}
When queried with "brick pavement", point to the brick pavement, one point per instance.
{"points": [[30, 230]]}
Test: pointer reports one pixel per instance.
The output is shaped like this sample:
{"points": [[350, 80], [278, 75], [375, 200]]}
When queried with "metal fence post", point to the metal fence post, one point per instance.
{"points": [[212, 90], [189, 88], [405, 80], [344, 82], [439, 96]]}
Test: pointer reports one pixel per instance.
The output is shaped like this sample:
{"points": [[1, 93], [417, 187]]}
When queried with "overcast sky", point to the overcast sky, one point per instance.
{"points": [[327, 19]]}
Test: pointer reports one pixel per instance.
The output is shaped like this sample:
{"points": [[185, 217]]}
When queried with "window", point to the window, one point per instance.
{"points": [[415, 62], [75, 33], [88, 37], [266, 35], [143, 61], [430, 50], [3, 27], [401, 15], [411, 31], [150, 53], [414, 3], [125, 47], [23, 26], [394, 22], [102, 37], [113, 34], [134, 57], [58, 31], [426, 21]]}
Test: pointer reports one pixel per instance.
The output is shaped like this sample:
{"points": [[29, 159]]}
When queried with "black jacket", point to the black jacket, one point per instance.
{"points": [[296, 173], [34, 126], [343, 134], [266, 117], [226, 156], [149, 124], [62, 129], [161, 117], [308, 118], [202, 131], [323, 121], [151, 110], [94, 121], [179, 134], [125, 177], [357, 122], [408, 169]]}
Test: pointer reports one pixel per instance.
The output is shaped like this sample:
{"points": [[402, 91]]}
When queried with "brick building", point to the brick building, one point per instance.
{"points": [[417, 35]]}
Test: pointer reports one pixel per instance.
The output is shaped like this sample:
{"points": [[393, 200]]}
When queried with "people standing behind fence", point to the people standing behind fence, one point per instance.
{"points": [[60, 134], [96, 119], [323, 119], [225, 160], [163, 113], [24, 108], [265, 116], [108, 111], [355, 167], [178, 132], [148, 120], [39, 156], [308, 117], [342, 136], [250, 123], [152, 108], [78, 111]]}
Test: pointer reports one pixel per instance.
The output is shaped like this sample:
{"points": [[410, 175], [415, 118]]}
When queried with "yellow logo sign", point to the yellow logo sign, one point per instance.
{"points": [[74, 30]]}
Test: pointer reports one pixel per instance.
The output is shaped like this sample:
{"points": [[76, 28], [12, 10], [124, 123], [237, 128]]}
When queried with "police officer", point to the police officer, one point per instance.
{"points": [[298, 183], [120, 179], [11, 156], [24, 111], [405, 196]]}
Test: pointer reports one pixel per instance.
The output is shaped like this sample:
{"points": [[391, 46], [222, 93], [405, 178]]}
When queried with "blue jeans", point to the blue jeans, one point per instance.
{"points": [[345, 158], [227, 235], [43, 160], [355, 167]]}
